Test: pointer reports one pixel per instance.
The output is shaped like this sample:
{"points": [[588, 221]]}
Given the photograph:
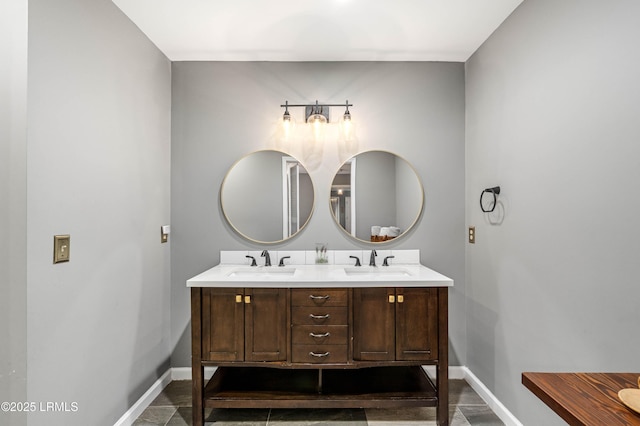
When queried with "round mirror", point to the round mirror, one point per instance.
{"points": [[267, 197], [376, 196]]}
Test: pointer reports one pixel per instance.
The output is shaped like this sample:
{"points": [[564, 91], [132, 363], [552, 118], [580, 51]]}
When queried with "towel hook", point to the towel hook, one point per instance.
{"points": [[495, 191]]}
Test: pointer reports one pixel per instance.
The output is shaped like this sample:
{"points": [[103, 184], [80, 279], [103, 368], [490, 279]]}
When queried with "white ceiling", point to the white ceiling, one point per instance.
{"points": [[327, 30]]}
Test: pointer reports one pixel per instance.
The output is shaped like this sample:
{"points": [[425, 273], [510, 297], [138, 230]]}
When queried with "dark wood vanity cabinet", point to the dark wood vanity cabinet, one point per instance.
{"points": [[395, 324], [244, 324], [320, 348]]}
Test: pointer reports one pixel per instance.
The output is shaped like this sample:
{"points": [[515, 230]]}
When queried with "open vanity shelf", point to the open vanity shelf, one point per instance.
{"points": [[373, 387]]}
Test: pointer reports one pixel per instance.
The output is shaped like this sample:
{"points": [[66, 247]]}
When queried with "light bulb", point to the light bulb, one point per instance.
{"points": [[288, 123], [317, 122], [346, 125]]}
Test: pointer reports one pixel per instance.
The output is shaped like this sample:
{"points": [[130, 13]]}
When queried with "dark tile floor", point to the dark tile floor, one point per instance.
{"points": [[173, 408]]}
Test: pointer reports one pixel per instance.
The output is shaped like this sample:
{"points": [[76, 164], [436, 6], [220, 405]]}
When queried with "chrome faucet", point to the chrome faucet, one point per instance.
{"points": [[267, 258], [372, 259]]}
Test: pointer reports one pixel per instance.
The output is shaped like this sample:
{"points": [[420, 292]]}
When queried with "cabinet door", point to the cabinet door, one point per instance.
{"points": [[416, 324], [374, 324], [266, 324], [222, 324]]}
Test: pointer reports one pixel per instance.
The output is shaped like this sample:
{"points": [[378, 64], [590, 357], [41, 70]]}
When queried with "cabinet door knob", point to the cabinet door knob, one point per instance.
{"points": [[247, 299], [238, 298], [319, 355], [400, 298], [392, 298]]}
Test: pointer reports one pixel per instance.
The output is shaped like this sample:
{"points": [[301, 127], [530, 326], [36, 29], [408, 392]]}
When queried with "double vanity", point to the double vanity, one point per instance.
{"points": [[319, 336], [316, 329]]}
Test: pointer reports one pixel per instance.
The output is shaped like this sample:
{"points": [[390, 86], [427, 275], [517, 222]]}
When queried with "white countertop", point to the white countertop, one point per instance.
{"points": [[294, 276]]}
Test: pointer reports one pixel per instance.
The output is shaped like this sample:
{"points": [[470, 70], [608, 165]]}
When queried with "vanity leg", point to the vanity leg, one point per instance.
{"points": [[442, 375], [197, 370], [198, 406]]}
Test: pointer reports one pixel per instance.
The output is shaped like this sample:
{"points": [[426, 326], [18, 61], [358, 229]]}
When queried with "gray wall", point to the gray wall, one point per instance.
{"points": [[224, 110], [407, 203], [98, 168], [552, 117], [13, 206]]}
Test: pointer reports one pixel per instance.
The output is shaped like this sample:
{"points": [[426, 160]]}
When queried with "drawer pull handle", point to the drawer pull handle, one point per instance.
{"points": [[327, 334], [319, 317], [319, 355], [312, 297]]}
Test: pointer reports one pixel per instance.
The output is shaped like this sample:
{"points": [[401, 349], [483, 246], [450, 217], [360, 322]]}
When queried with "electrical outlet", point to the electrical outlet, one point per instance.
{"points": [[61, 248], [472, 234]]}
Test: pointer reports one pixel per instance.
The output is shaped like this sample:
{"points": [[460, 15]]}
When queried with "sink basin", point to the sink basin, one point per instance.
{"points": [[382, 272], [262, 272]]}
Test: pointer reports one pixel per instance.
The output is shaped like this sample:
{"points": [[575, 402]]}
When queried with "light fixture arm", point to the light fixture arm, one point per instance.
{"points": [[288, 105]]}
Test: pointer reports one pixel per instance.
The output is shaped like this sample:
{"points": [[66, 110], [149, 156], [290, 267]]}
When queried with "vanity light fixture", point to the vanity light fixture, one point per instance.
{"points": [[317, 115]]}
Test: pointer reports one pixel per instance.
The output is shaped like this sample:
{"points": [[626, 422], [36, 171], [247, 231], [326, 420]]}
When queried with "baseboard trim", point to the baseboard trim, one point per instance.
{"points": [[455, 372], [143, 402], [184, 373], [494, 403]]}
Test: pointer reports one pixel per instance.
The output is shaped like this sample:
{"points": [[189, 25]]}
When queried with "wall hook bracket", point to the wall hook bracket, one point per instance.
{"points": [[495, 191]]}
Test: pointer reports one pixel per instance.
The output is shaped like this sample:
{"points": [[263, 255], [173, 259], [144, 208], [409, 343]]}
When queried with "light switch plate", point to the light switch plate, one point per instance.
{"points": [[164, 233], [61, 248]]}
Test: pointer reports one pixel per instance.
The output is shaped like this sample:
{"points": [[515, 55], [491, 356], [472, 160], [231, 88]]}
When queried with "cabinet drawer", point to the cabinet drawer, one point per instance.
{"points": [[319, 297], [319, 335], [319, 316], [319, 354]]}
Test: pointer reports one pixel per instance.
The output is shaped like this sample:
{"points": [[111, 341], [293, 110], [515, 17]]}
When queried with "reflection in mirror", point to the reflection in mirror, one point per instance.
{"points": [[267, 196], [376, 196]]}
